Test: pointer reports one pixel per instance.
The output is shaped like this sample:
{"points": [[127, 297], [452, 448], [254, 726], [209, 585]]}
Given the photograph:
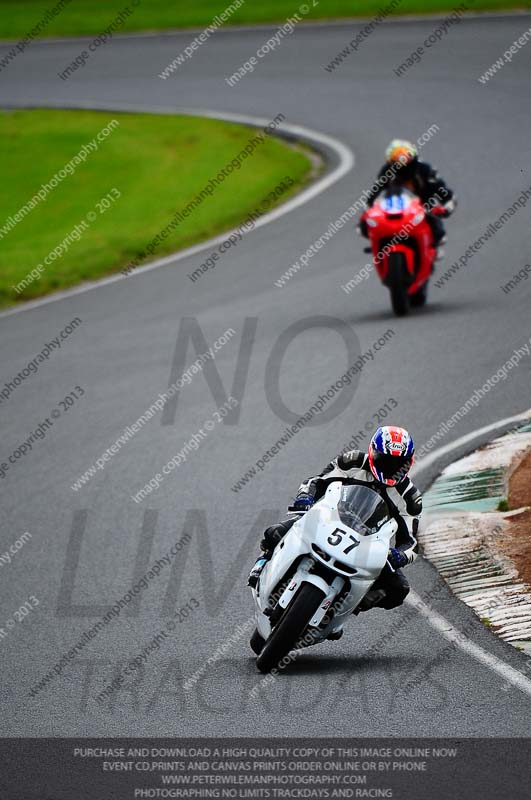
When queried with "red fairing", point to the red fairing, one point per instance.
{"points": [[397, 224]]}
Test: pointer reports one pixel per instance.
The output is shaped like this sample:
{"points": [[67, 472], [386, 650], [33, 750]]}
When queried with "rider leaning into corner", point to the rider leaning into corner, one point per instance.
{"points": [[417, 176], [385, 469]]}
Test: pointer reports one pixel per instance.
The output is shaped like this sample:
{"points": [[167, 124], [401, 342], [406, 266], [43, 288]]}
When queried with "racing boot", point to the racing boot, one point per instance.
{"points": [[371, 599], [254, 575]]}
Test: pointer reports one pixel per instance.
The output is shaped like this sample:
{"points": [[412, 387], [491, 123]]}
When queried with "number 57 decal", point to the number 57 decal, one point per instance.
{"points": [[338, 537]]}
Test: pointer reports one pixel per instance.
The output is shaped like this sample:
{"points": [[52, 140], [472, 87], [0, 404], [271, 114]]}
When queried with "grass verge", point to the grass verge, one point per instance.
{"points": [[97, 215], [86, 17]]}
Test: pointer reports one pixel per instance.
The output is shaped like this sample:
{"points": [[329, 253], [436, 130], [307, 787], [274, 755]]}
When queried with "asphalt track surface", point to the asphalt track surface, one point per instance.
{"points": [[122, 356]]}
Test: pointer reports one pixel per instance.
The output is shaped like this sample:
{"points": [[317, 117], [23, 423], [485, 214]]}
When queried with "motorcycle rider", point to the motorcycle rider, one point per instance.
{"points": [[404, 170], [385, 469]]}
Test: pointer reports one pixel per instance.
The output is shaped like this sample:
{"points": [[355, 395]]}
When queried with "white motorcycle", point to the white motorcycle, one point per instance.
{"points": [[321, 571]]}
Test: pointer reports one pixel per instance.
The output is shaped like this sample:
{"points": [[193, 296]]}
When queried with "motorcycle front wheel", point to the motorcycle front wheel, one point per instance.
{"points": [[419, 297], [291, 627], [397, 284]]}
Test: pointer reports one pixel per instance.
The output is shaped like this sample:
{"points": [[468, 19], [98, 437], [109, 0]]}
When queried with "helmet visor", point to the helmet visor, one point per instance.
{"points": [[391, 466]]}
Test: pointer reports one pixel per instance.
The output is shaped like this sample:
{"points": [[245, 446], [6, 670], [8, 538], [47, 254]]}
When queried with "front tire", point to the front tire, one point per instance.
{"points": [[419, 297], [397, 284], [290, 628]]}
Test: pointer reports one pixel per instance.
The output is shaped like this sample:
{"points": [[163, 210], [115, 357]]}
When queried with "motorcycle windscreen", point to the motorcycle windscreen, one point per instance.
{"points": [[362, 509], [395, 201]]}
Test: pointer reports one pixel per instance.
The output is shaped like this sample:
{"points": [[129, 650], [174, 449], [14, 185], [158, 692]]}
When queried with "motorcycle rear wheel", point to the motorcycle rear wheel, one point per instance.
{"points": [[291, 627], [397, 284]]}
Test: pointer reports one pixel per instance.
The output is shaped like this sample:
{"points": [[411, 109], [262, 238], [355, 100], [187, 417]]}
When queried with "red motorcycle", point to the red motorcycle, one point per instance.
{"points": [[402, 246]]}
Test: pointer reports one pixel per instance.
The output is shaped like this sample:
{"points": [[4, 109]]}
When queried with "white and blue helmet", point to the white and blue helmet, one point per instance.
{"points": [[391, 454]]}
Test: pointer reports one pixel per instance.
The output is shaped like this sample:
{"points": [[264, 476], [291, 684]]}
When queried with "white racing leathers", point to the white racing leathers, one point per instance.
{"points": [[404, 499], [322, 570]]}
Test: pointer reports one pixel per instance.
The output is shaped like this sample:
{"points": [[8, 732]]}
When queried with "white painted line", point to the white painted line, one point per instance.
{"points": [[346, 163], [427, 461], [436, 620], [454, 635]]}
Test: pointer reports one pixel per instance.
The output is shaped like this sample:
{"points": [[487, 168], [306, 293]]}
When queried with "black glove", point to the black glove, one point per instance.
{"points": [[397, 558], [303, 502]]}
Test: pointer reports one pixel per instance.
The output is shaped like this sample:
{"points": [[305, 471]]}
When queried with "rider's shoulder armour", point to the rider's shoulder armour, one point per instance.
{"points": [[411, 496], [351, 459]]}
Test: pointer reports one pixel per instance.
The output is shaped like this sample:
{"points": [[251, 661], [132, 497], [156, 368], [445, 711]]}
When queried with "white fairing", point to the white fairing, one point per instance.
{"points": [[322, 536]]}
